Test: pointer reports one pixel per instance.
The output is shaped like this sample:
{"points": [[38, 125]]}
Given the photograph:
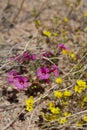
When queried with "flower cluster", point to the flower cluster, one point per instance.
{"points": [[26, 56], [62, 120], [63, 48], [85, 118], [14, 78], [80, 86], [56, 114], [53, 109], [59, 80], [44, 72], [59, 94], [29, 104], [47, 33], [47, 54], [66, 20]]}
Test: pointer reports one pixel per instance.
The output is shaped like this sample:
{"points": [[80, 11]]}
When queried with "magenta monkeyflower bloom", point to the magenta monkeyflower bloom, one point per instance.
{"points": [[46, 54], [21, 82], [55, 70], [33, 57], [28, 56], [12, 75], [62, 47], [24, 57], [43, 73]]}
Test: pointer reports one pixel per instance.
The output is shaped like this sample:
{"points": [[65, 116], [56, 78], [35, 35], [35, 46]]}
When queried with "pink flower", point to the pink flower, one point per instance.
{"points": [[43, 73], [46, 54], [26, 56], [33, 57], [12, 75], [18, 81], [55, 70], [62, 47], [21, 82]]}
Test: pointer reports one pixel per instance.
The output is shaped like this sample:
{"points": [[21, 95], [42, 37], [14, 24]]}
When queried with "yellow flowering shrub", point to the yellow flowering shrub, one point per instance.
{"points": [[81, 83], [79, 124], [85, 99], [55, 110], [59, 80], [72, 55], [67, 93], [67, 114], [51, 105], [58, 94], [64, 102], [55, 34], [65, 52], [38, 23], [62, 120], [29, 104], [85, 14], [67, 3], [85, 29], [85, 118], [47, 33], [51, 117], [78, 89], [66, 19]]}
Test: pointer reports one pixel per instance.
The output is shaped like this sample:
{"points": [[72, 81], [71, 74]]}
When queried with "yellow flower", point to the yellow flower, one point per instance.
{"points": [[55, 110], [85, 99], [29, 104], [66, 114], [85, 118], [50, 117], [62, 120], [78, 89], [55, 34], [66, 19], [85, 29], [64, 102], [81, 83], [67, 3], [59, 80], [47, 33], [65, 52], [29, 108], [67, 93], [51, 105], [63, 31], [58, 94], [38, 23], [72, 55], [85, 14], [82, 104], [79, 124]]}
